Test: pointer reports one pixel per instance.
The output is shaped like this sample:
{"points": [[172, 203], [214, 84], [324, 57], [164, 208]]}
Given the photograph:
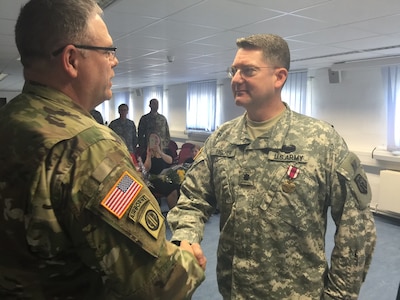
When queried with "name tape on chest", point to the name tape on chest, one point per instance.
{"points": [[287, 157]]}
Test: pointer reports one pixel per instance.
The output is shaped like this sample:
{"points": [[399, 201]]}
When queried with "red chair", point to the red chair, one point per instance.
{"points": [[185, 153]]}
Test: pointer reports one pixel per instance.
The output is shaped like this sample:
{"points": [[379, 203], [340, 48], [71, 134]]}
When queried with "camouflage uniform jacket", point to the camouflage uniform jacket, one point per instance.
{"points": [[156, 123], [127, 130], [273, 194], [76, 220]]}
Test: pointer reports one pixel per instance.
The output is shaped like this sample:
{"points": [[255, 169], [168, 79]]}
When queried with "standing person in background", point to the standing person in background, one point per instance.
{"points": [[125, 128], [153, 122], [76, 220], [273, 174], [97, 116]]}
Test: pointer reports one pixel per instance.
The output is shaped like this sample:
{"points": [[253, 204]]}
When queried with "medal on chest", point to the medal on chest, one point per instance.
{"points": [[289, 186]]}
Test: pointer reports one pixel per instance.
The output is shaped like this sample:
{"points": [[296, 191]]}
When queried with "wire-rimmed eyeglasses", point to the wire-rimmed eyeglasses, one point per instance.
{"points": [[245, 71], [109, 51]]}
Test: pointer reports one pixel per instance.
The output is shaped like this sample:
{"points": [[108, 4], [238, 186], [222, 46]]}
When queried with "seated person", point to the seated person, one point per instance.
{"points": [[194, 150], [155, 161]]}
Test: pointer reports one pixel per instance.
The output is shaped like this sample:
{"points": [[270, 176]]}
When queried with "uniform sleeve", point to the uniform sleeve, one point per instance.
{"points": [[355, 235], [120, 231], [195, 204]]}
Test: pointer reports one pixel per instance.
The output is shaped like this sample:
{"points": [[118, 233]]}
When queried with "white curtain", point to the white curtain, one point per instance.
{"points": [[294, 91], [391, 77], [201, 105]]}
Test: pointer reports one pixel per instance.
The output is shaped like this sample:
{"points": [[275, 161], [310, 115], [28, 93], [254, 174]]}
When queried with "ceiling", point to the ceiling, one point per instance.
{"points": [[164, 42]]}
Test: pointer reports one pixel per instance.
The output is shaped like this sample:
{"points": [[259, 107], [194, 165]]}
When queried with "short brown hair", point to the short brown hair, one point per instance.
{"points": [[45, 25], [275, 49]]}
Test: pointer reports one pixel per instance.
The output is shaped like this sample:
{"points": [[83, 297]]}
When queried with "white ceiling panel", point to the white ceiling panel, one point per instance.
{"points": [[333, 35], [200, 35], [288, 6], [223, 14], [344, 12], [381, 25], [152, 8], [278, 25]]}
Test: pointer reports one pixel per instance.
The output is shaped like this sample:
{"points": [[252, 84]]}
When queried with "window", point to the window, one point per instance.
{"points": [[391, 77], [201, 105], [294, 92]]}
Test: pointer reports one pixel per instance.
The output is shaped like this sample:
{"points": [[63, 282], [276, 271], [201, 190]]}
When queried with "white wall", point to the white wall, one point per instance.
{"points": [[8, 95], [355, 107]]}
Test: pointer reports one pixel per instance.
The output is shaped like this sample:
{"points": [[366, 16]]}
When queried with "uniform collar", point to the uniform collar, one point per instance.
{"points": [[275, 138], [51, 95]]}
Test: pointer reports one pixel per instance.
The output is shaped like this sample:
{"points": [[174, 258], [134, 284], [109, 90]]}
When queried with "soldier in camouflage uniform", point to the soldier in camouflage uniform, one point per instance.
{"points": [[77, 221], [125, 128], [153, 122], [273, 174]]}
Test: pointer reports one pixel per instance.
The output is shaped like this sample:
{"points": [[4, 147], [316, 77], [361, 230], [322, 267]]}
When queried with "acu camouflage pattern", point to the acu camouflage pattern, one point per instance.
{"points": [[272, 242], [57, 242], [150, 123]]}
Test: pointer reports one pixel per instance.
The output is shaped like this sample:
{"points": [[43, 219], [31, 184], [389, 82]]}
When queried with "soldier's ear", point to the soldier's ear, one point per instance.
{"points": [[70, 58], [280, 76]]}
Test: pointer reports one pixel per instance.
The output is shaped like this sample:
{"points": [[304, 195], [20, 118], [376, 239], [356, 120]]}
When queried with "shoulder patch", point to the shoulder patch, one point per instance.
{"points": [[361, 183], [144, 213], [151, 220], [121, 195], [351, 170]]}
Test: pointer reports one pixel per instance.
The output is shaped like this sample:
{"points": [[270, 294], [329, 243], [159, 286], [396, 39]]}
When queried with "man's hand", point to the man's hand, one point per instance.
{"points": [[196, 250]]}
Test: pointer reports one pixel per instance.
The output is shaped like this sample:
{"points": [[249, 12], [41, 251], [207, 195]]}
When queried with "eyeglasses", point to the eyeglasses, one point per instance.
{"points": [[109, 51], [245, 71]]}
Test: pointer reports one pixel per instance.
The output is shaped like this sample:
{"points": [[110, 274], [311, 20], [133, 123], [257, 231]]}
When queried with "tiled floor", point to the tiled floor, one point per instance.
{"points": [[382, 280]]}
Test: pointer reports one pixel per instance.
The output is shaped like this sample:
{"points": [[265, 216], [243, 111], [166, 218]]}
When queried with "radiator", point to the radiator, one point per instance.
{"points": [[389, 191]]}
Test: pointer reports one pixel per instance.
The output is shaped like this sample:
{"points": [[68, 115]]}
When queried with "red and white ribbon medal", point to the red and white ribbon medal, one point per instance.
{"points": [[288, 186]]}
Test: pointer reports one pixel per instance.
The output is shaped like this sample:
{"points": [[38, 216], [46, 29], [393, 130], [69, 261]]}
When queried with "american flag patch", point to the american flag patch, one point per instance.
{"points": [[122, 194]]}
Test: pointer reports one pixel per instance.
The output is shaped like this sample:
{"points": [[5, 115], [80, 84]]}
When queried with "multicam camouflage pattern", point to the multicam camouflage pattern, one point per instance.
{"points": [[57, 241], [272, 239], [150, 123]]}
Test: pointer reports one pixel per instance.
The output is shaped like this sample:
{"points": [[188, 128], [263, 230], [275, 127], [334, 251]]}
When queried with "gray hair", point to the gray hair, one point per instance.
{"points": [[275, 49], [45, 25]]}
